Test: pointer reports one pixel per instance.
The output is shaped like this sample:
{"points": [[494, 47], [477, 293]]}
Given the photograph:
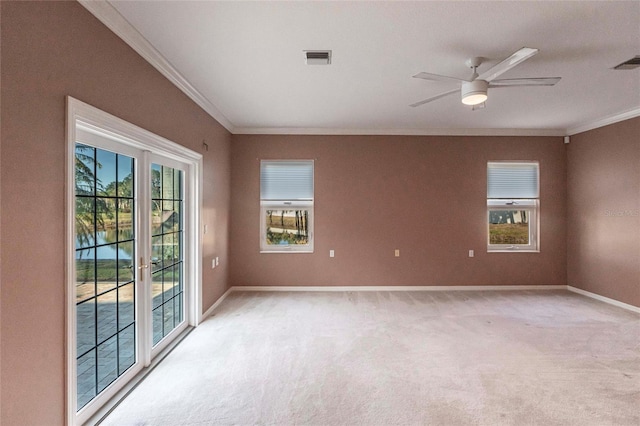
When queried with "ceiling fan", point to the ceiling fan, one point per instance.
{"points": [[474, 91]]}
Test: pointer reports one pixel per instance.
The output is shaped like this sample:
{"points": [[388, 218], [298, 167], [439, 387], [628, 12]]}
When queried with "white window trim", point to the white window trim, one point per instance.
{"points": [[530, 205], [285, 205], [304, 202]]}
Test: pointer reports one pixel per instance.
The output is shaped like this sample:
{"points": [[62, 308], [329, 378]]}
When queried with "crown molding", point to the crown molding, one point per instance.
{"points": [[110, 17], [396, 132], [605, 121]]}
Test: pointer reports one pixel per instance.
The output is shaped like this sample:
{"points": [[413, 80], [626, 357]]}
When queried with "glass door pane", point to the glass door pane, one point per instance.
{"points": [[167, 253], [104, 269]]}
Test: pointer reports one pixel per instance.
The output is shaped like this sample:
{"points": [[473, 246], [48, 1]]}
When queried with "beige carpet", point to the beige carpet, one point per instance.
{"points": [[385, 358]]}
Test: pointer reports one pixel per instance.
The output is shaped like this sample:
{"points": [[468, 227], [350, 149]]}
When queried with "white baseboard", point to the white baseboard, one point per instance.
{"points": [[401, 288], [209, 311], [604, 299], [421, 288]]}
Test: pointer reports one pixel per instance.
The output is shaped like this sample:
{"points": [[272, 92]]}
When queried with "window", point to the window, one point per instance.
{"points": [[286, 206], [512, 206]]}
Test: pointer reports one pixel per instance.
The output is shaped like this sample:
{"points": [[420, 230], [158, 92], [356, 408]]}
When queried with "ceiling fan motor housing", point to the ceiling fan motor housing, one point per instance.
{"points": [[474, 92]]}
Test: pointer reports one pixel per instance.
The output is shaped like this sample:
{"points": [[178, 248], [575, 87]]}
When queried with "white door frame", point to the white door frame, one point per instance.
{"points": [[84, 119]]}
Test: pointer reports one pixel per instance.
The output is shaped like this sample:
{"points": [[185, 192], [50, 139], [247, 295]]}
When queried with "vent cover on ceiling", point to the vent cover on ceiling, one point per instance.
{"points": [[317, 57], [630, 64]]}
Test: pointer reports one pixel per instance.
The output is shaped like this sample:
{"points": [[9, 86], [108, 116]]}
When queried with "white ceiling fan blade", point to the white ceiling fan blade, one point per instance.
{"points": [[513, 82], [433, 98], [436, 77], [504, 66]]}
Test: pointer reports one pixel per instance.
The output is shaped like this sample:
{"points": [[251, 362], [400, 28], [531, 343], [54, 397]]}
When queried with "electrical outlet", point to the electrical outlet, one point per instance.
{"points": [[470, 253], [217, 261], [397, 253], [332, 253]]}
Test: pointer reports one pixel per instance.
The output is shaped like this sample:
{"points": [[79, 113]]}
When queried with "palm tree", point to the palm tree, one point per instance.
{"points": [[90, 210]]}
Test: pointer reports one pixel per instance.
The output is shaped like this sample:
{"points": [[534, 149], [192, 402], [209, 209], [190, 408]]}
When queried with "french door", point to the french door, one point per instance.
{"points": [[167, 249], [132, 284]]}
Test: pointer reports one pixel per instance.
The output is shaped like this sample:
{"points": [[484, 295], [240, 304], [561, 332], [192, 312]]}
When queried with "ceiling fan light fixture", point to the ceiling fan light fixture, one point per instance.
{"points": [[474, 92]]}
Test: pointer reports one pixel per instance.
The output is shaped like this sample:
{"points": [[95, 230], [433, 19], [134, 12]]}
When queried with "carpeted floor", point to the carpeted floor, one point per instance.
{"points": [[408, 358]]}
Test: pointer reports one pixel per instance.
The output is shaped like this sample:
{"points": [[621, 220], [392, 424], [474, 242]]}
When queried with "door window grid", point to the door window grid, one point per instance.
{"points": [[167, 250], [105, 291]]}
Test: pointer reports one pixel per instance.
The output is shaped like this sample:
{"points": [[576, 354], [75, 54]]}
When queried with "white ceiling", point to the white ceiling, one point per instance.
{"points": [[243, 62]]}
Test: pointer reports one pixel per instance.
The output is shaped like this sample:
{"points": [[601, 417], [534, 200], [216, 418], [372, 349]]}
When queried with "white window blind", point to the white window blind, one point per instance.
{"points": [[512, 180], [286, 180]]}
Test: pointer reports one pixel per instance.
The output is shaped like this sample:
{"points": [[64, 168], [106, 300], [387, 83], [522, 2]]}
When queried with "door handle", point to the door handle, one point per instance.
{"points": [[142, 266]]}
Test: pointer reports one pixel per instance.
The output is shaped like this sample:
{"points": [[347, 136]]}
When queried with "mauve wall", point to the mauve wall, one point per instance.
{"points": [[50, 50], [603, 233], [423, 195]]}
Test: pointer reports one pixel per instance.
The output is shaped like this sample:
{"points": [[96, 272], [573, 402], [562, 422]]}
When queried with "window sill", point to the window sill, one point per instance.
{"points": [[286, 251], [512, 251]]}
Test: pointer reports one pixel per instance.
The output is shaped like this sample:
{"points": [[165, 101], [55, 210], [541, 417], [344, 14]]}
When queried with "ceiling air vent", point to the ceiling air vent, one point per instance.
{"points": [[317, 57], [630, 64]]}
